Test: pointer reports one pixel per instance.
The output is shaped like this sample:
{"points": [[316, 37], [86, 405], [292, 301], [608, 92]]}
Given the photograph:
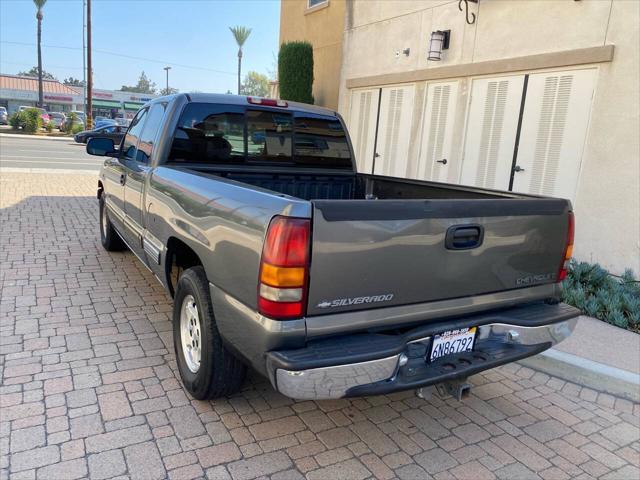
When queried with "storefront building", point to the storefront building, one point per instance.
{"points": [[17, 91]]}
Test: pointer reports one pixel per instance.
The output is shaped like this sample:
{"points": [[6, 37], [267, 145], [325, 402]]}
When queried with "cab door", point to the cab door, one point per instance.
{"points": [[128, 152], [138, 166]]}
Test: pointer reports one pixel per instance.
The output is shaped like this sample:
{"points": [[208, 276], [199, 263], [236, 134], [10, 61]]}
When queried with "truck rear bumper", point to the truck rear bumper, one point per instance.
{"points": [[371, 364]]}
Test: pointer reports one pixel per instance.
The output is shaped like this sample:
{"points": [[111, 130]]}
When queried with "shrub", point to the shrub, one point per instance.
{"points": [[16, 120], [295, 71], [32, 121], [49, 127], [77, 129], [616, 300], [71, 121]]}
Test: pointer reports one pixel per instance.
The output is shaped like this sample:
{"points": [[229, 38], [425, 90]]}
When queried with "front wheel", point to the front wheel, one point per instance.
{"points": [[207, 368]]}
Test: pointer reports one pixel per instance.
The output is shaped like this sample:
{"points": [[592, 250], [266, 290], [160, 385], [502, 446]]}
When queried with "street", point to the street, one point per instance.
{"points": [[37, 153], [89, 383]]}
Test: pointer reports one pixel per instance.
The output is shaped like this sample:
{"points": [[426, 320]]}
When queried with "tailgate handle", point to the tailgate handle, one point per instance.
{"points": [[464, 237]]}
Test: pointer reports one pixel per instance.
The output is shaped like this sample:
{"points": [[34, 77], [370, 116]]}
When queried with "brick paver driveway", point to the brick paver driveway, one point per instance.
{"points": [[89, 385]]}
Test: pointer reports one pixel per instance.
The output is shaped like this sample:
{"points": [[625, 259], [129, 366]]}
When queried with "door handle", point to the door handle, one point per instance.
{"points": [[123, 178], [376, 155], [518, 168], [464, 237], [443, 161]]}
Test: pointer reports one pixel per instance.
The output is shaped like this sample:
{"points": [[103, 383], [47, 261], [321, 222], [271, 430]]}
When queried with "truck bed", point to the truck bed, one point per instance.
{"points": [[348, 186], [381, 242]]}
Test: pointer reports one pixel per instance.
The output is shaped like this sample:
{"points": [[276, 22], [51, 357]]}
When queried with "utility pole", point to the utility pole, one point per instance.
{"points": [[89, 70], [166, 69], [84, 59]]}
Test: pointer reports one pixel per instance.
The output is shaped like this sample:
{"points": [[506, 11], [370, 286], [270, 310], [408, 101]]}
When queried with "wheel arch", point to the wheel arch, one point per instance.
{"points": [[179, 257]]}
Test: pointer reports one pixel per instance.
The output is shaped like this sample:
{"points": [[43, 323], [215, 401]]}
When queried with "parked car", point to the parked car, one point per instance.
{"points": [[4, 117], [80, 114], [123, 122], [330, 282], [44, 115], [58, 119], [103, 122], [113, 132]]}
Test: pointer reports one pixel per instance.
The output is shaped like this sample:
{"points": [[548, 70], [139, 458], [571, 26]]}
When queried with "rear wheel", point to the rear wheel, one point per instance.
{"points": [[109, 238], [207, 368]]}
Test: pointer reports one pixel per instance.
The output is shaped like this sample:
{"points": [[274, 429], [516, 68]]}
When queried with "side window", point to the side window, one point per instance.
{"points": [[269, 136], [131, 139], [149, 132], [209, 133]]}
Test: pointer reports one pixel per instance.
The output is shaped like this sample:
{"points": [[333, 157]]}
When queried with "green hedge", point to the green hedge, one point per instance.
{"points": [[616, 300], [295, 71], [28, 120]]}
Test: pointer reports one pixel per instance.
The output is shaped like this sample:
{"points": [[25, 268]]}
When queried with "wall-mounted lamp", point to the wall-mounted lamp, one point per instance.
{"points": [[439, 41]]}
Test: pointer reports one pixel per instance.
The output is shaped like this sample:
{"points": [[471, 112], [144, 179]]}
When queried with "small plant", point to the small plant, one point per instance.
{"points": [[76, 129], [71, 121], [32, 121], [49, 127], [295, 71], [16, 120], [596, 292]]}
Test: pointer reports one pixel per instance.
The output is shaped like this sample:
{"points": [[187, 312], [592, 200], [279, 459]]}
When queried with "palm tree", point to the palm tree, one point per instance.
{"points": [[39, 4], [240, 34]]}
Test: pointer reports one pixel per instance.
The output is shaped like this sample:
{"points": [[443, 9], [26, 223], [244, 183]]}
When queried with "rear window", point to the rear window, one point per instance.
{"points": [[231, 134]]}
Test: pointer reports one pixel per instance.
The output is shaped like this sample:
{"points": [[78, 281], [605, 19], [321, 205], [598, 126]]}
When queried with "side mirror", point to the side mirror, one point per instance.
{"points": [[102, 147]]}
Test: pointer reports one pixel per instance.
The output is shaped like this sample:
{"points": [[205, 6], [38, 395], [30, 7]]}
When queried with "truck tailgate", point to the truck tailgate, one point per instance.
{"points": [[379, 253]]}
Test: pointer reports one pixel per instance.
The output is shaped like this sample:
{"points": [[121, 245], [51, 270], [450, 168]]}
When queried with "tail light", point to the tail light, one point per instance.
{"points": [[268, 102], [568, 251], [284, 268]]}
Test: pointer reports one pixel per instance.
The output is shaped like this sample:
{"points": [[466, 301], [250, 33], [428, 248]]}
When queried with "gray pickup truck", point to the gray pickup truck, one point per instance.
{"points": [[279, 255]]}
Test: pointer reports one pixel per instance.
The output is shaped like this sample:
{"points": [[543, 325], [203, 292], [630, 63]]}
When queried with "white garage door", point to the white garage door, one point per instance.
{"points": [[554, 127], [362, 126], [437, 132], [492, 124], [394, 130]]}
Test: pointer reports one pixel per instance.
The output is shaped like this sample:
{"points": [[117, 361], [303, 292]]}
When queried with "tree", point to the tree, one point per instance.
{"points": [[39, 4], [255, 84], [240, 34], [34, 73], [144, 85], [73, 82], [295, 71], [168, 91]]}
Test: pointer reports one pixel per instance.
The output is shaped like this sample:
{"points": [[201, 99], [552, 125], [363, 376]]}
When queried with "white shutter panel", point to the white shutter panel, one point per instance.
{"points": [[437, 131], [362, 126], [394, 129], [554, 127], [491, 131]]}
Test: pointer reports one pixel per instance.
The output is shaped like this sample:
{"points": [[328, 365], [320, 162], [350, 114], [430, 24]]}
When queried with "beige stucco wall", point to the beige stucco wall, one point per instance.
{"points": [[323, 27], [607, 203]]}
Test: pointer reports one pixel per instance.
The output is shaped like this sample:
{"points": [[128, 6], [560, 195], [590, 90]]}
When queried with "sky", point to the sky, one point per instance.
{"points": [[192, 37]]}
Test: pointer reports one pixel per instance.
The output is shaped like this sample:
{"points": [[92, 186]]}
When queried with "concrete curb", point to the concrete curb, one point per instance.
{"points": [[36, 137], [587, 373]]}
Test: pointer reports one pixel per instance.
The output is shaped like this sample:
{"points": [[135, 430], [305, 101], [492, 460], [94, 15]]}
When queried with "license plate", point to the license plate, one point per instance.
{"points": [[453, 341]]}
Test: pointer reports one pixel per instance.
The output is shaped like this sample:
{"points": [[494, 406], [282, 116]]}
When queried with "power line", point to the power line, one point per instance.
{"points": [[106, 52]]}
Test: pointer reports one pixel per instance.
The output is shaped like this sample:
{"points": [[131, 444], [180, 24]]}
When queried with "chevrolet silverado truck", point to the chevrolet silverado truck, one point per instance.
{"points": [[280, 256]]}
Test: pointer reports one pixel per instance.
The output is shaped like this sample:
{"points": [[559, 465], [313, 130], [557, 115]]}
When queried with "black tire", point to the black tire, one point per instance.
{"points": [[219, 373], [109, 238]]}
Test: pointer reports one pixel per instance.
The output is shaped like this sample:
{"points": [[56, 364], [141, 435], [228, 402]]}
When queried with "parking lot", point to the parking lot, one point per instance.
{"points": [[90, 387]]}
